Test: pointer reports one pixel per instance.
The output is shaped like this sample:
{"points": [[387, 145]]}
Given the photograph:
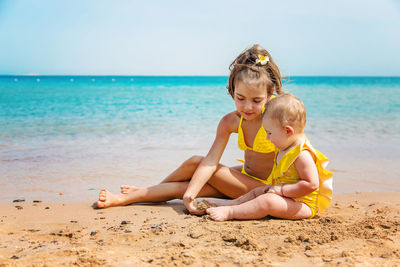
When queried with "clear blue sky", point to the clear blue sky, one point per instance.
{"points": [[197, 37]]}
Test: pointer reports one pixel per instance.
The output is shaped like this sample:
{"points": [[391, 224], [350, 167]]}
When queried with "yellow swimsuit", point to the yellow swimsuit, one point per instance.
{"points": [[260, 144], [284, 172]]}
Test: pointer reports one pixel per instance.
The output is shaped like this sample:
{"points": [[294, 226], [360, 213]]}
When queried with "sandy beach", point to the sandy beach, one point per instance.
{"points": [[359, 229], [99, 94]]}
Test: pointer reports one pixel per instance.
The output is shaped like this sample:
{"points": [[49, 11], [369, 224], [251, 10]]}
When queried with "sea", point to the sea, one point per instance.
{"points": [[63, 138]]}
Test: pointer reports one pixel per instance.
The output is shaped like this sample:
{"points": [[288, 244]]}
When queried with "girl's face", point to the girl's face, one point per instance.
{"points": [[249, 99], [277, 134]]}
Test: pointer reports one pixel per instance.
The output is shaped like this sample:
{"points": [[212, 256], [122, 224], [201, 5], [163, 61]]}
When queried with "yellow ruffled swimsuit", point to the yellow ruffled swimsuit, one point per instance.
{"points": [[260, 144], [284, 172]]}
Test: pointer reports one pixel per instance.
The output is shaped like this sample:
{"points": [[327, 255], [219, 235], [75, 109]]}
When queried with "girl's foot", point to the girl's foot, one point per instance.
{"points": [[220, 213], [126, 189], [107, 199]]}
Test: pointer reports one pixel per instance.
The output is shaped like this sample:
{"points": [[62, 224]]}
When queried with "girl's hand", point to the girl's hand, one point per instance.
{"points": [[191, 205]]}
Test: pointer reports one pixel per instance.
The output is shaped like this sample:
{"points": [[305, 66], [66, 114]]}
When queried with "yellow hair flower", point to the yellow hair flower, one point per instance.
{"points": [[263, 60]]}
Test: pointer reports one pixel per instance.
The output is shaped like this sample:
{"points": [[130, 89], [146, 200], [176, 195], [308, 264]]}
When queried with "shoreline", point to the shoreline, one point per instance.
{"points": [[358, 228]]}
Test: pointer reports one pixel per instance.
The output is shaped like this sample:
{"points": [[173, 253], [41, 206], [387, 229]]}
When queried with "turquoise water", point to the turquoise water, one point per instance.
{"points": [[363, 107], [37, 109], [62, 130]]}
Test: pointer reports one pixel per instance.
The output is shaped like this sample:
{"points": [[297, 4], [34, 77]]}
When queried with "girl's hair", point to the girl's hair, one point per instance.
{"points": [[287, 110], [246, 67]]}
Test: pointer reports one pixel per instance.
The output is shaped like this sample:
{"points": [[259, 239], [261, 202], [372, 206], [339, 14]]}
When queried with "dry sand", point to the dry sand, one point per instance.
{"points": [[357, 230]]}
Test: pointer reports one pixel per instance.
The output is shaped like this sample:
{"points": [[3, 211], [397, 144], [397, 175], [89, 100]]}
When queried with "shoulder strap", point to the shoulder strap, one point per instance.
{"points": [[240, 123]]}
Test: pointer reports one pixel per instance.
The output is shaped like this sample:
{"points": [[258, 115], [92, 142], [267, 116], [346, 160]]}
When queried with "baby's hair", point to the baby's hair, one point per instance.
{"points": [[287, 110], [246, 68]]}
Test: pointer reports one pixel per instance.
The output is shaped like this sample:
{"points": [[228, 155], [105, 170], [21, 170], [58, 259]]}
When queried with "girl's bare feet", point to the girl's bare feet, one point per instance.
{"points": [[126, 189], [223, 213], [107, 199]]}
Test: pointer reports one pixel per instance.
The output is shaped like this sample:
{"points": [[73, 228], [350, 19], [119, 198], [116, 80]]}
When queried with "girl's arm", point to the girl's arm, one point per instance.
{"points": [[308, 172], [209, 163]]}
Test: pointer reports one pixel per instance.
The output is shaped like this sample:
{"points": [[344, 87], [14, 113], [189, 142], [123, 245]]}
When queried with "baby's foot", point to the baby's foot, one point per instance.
{"points": [[107, 199], [126, 189], [223, 213]]}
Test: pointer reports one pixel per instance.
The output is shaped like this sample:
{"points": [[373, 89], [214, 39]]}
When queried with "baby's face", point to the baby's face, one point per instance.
{"points": [[249, 99], [275, 132]]}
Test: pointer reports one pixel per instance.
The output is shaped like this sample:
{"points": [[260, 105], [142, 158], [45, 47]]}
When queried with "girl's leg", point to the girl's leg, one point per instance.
{"points": [[265, 204], [157, 193], [225, 182], [183, 173], [232, 182]]}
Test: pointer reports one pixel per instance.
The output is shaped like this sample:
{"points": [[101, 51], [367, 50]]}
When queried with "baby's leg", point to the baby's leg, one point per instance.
{"points": [[237, 201], [263, 205]]}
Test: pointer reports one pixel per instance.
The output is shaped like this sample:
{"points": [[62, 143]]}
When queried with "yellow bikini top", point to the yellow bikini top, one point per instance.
{"points": [[321, 161], [260, 143]]}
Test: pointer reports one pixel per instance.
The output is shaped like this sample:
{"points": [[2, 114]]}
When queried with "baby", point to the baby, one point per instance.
{"points": [[299, 185]]}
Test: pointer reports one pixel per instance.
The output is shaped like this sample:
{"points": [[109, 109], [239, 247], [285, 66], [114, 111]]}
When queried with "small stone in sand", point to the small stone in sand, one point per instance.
{"points": [[195, 235], [19, 200], [19, 207], [309, 254], [63, 231], [203, 205], [37, 201]]}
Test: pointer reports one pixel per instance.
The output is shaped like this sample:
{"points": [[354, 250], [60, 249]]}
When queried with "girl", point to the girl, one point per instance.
{"points": [[253, 79], [299, 186]]}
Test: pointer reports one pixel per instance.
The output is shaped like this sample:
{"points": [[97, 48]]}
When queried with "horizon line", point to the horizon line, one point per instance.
{"points": [[123, 75]]}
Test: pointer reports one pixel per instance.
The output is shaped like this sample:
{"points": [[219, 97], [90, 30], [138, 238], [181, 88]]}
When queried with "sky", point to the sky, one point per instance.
{"points": [[129, 37]]}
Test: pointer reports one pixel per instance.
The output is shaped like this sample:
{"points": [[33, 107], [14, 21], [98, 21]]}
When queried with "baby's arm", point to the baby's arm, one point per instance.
{"points": [[242, 199], [251, 195], [308, 172]]}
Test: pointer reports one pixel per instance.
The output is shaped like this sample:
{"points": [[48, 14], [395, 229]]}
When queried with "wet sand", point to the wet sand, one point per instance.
{"points": [[358, 229]]}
